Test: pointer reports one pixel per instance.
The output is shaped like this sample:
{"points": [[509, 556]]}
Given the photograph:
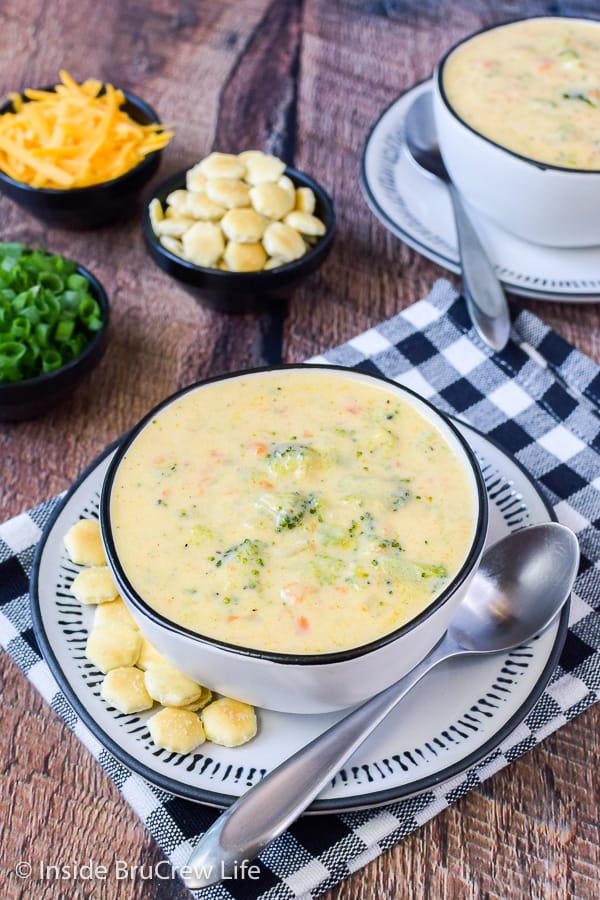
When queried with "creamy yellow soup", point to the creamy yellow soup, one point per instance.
{"points": [[534, 88], [297, 511]]}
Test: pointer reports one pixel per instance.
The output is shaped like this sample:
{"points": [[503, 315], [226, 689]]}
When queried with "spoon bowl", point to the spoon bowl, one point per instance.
{"points": [[523, 582], [421, 137], [514, 593], [484, 296]]}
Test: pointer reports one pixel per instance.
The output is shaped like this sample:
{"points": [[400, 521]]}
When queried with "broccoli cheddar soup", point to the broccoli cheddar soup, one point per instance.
{"points": [[294, 511], [532, 87]]}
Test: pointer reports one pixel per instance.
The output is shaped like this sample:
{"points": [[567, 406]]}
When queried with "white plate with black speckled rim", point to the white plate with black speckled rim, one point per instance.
{"points": [[454, 718], [416, 208]]}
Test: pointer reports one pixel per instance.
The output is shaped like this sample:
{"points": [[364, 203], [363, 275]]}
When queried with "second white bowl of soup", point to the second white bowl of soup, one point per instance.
{"points": [[296, 537], [517, 111]]}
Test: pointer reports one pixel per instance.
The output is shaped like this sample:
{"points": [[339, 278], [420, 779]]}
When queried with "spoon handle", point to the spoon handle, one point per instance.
{"points": [[267, 809], [486, 301]]}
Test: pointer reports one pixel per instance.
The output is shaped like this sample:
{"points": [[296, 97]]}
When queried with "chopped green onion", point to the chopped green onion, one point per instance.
{"points": [[47, 312], [8, 263], [20, 327], [77, 283], [64, 330], [51, 359], [76, 345], [71, 299], [31, 313], [11, 352], [51, 281], [42, 330], [88, 307], [15, 250]]}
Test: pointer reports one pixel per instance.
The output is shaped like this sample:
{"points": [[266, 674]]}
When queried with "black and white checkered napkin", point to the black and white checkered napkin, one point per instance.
{"points": [[540, 399]]}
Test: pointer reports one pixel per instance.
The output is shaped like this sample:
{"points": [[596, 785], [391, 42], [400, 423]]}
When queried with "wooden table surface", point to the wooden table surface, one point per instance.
{"points": [[305, 79]]}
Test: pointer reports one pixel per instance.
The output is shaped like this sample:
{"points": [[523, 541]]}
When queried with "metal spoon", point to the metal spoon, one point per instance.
{"points": [[483, 292], [520, 586]]}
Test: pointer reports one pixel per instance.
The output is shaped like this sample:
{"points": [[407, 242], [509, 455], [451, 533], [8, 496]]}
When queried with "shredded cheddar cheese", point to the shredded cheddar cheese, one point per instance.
{"points": [[73, 136]]}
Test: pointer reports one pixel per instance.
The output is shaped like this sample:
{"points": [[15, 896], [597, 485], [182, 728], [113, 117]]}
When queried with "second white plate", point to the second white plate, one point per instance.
{"points": [[416, 208]]}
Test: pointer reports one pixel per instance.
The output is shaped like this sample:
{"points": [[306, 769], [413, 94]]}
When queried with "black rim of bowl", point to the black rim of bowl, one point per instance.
{"points": [[255, 280], [132, 100], [439, 75], [129, 591], [47, 378]]}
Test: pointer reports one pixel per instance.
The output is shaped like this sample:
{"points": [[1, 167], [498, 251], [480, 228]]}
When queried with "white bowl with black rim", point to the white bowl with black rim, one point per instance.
{"points": [[303, 683], [546, 204]]}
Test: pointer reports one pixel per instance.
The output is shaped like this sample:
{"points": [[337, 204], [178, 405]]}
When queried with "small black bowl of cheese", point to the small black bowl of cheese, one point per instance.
{"points": [[235, 240]]}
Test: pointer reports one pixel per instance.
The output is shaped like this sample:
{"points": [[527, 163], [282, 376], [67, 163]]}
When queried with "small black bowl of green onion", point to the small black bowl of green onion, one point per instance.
{"points": [[53, 326]]}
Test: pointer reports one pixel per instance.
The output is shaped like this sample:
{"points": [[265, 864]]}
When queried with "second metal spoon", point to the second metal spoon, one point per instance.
{"points": [[521, 584], [483, 292]]}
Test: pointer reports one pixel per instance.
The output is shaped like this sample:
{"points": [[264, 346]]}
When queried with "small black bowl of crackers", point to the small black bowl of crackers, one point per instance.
{"points": [[239, 231]]}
